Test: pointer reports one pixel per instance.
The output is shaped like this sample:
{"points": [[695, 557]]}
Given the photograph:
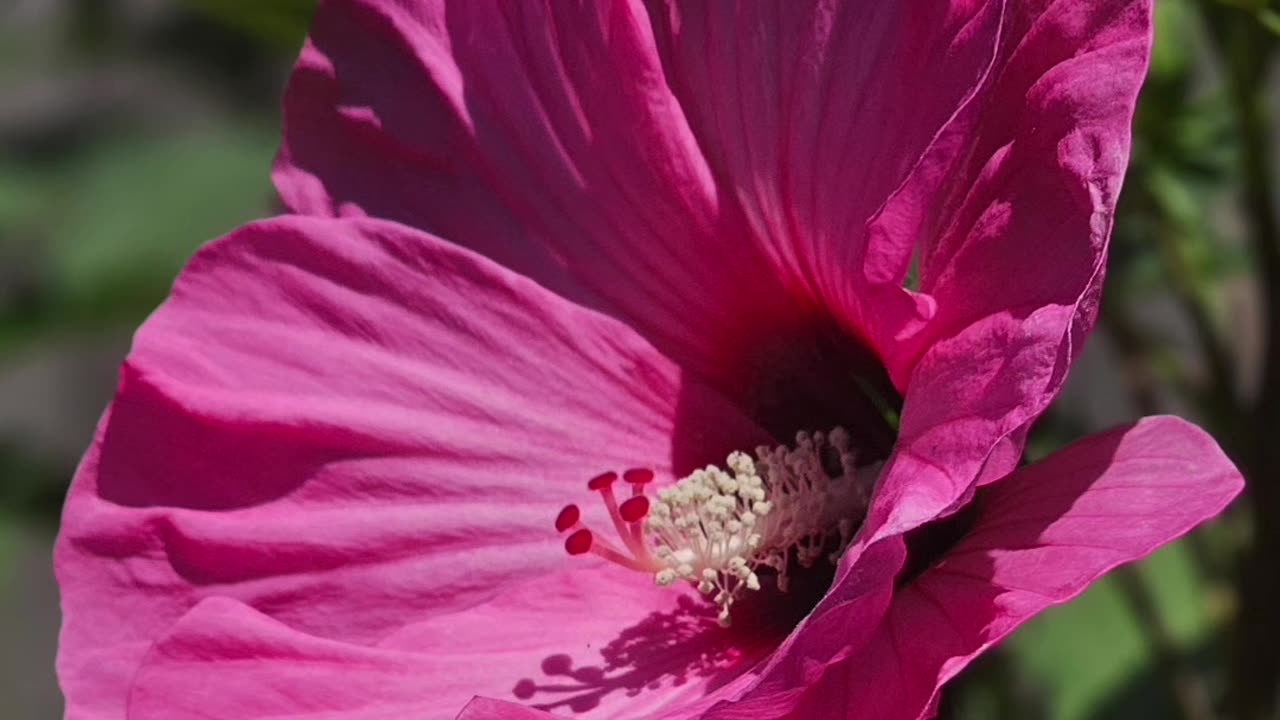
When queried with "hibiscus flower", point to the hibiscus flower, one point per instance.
{"points": [[783, 284]]}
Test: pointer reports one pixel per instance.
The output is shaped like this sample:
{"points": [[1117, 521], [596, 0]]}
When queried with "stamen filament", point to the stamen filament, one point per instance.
{"points": [[613, 555]]}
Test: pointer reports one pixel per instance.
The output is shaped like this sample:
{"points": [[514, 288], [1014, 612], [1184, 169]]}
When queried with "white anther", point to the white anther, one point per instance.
{"points": [[716, 527]]}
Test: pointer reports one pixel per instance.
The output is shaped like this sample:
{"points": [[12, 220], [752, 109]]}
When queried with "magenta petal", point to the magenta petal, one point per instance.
{"points": [[704, 171], [545, 137], [597, 643], [844, 621], [226, 661], [490, 709], [1012, 209], [586, 644], [350, 426], [812, 113], [1041, 537]]}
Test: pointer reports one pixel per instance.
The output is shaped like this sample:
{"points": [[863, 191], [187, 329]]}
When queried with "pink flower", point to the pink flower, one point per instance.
{"points": [[536, 242]]}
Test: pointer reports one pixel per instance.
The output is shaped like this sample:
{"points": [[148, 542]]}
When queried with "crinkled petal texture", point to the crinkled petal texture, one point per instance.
{"points": [[738, 182], [355, 437], [702, 171], [1010, 210]]}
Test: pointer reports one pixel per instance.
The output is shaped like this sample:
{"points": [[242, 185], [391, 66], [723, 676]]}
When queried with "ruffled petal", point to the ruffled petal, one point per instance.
{"points": [[1040, 537], [704, 171], [543, 136], [1011, 210], [351, 426]]}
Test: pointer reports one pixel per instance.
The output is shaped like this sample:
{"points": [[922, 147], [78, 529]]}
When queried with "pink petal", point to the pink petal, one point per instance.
{"points": [[489, 709], [532, 644], [224, 660], [713, 194], [842, 623], [543, 136], [350, 426], [812, 113], [1012, 209], [1040, 538], [592, 645]]}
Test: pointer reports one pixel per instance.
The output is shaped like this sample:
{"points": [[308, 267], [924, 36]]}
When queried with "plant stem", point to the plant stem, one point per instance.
{"points": [[1256, 672]]}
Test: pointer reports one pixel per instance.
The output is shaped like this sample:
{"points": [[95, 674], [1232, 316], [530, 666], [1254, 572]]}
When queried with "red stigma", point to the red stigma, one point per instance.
{"points": [[602, 481], [626, 518], [579, 542], [638, 476], [634, 509], [567, 518]]}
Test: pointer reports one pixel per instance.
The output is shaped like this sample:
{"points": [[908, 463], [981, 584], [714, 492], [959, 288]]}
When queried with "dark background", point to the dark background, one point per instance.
{"points": [[133, 130]]}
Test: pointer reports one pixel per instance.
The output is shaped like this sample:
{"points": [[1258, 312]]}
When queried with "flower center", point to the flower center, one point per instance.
{"points": [[717, 527]]}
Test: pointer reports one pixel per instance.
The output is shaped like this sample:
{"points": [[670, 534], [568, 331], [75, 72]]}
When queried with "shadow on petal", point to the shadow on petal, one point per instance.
{"points": [[205, 456], [681, 655], [666, 650]]}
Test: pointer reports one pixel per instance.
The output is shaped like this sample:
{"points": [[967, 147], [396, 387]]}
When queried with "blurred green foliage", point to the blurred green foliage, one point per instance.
{"points": [[101, 201], [119, 219], [1087, 654], [131, 132], [280, 22]]}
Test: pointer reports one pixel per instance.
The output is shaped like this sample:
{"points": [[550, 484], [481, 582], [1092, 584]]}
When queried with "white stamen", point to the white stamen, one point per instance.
{"points": [[723, 527], [715, 528]]}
